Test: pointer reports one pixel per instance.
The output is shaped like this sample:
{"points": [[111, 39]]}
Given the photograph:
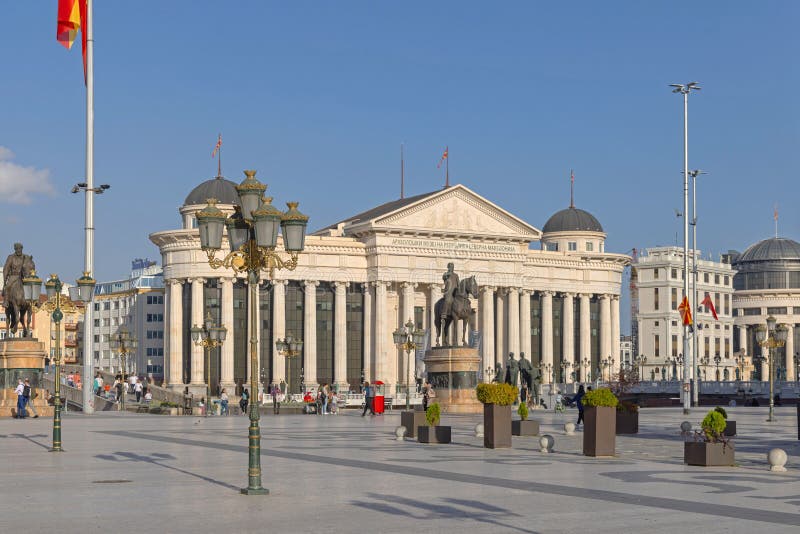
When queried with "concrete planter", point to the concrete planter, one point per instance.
{"points": [[600, 431], [525, 428], [433, 434], [708, 454], [627, 422], [730, 428], [411, 419], [173, 411], [496, 426]]}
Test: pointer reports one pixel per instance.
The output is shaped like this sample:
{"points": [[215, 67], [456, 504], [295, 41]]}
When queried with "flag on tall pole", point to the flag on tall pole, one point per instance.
{"points": [[71, 19], [685, 311], [708, 303], [444, 159], [217, 148]]}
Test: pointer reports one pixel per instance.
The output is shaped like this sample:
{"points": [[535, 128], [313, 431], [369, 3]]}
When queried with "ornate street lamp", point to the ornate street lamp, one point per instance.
{"points": [[126, 344], [586, 364], [253, 238], [564, 366], [717, 359], [771, 337], [639, 365], [209, 336], [289, 347], [408, 338]]}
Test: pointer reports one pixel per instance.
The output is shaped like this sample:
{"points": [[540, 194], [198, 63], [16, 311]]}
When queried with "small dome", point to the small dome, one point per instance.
{"points": [[220, 188], [572, 219], [773, 249]]}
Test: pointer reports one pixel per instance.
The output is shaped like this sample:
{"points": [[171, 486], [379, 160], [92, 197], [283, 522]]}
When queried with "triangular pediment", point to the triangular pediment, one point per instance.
{"points": [[455, 211]]}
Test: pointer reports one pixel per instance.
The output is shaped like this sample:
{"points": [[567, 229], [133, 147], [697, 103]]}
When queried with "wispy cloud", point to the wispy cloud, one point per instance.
{"points": [[18, 183]]}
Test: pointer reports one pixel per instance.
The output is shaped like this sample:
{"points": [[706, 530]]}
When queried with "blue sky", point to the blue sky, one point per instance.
{"points": [[318, 96]]}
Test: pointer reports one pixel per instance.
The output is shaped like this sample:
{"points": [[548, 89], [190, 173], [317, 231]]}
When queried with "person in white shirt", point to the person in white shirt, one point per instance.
{"points": [[137, 388], [20, 400]]}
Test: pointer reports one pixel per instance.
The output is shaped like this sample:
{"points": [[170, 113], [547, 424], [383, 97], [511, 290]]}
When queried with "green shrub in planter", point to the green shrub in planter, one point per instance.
{"points": [[500, 394], [432, 414], [721, 410], [600, 397], [627, 406], [713, 426], [522, 411]]}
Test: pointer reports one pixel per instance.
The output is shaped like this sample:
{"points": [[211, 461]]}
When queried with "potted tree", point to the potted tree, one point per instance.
{"points": [[433, 433], [730, 426], [497, 400], [523, 427], [627, 418], [600, 427], [710, 446]]}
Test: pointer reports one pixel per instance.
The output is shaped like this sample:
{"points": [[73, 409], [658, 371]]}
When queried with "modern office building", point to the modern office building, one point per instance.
{"points": [[362, 277], [659, 280]]}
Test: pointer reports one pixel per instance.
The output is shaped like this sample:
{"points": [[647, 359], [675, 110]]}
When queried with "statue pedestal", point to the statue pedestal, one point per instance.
{"points": [[453, 373], [21, 358]]}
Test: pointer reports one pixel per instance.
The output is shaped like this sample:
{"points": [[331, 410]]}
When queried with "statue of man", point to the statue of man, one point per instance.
{"points": [[526, 369], [17, 267], [498, 376], [12, 270], [512, 367], [451, 282]]}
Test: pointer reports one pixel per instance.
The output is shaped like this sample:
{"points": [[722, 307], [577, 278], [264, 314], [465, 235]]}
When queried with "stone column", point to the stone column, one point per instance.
{"points": [[513, 321], [743, 339], [340, 335], [547, 333], [790, 369], [605, 329], [568, 336], [435, 295], [367, 331], [198, 363], [615, 352], [500, 331], [176, 334], [226, 367], [166, 362], [487, 323], [278, 329], [381, 333], [310, 334], [586, 335], [525, 322], [408, 313]]}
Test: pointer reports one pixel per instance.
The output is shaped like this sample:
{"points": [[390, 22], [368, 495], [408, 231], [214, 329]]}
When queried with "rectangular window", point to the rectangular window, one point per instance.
{"points": [[572, 246], [552, 247], [589, 246], [656, 346], [674, 323], [706, 350], [96, 306], [655, 273], [716, 346], [752, 311], [106, 305], [674, 274], [776, 311], [705, 278], [674, 346], [716, 279], [727, 308], [655, 298], [97, 323], [716, 301], [727, 280], [656, 324], [727, 347], [674, 298]]}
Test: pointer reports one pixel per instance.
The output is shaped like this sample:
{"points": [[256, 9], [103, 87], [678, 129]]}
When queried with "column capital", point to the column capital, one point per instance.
{"points": [[339, 284], [568, 295], [172, 281], [196, 279], [379, 283], [605, 296], [310, 283], [407, 285], [280, 283], [365, 288], [526, 291], [614, 297], [585, 295], [487, 289], [510, 290], [547, 293], [227, 279]]}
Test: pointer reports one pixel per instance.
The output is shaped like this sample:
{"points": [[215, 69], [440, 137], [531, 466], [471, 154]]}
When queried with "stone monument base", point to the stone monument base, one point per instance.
{"points": [[453, 373], [21, 358]]}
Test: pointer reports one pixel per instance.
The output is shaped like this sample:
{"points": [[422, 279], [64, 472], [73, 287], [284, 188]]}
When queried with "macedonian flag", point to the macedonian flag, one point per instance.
{"points": [[71, 20], [685, 311]]}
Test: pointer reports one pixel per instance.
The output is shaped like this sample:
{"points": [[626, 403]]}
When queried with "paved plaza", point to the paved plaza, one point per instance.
{"points": [[346, 473]]}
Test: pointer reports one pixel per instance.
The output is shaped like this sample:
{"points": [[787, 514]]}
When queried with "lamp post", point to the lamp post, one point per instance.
{"points": [[209, 336], [717, 359], [564, 366], [32, 289], [694, 174], [685, 89], [771, 337], [640, 361], [125, 344], [253, 237], [739, 361], [586, 364], [408, 338], [548, 371], [289, 347]]}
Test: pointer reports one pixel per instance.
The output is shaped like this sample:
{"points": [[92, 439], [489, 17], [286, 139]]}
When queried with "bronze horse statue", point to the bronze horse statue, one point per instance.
{"points": [[461, 311], [18, 310]]}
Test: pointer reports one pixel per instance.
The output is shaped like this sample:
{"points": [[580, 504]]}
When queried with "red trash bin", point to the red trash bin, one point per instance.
{"points": [[378, 399]]}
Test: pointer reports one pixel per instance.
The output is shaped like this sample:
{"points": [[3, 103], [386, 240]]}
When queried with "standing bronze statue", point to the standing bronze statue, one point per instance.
{"points": [[18, 310], [454, 306]]}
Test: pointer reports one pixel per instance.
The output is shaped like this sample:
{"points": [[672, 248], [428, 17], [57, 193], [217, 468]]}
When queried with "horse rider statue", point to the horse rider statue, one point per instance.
{"points": [[451, 282], [18, 311], [455, 306]]}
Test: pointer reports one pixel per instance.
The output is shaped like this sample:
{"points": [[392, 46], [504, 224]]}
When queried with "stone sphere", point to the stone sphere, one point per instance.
{"points": [[479, 430], [569, 428], [686, 426], [400, 432], [777, 459], [546, 443]]}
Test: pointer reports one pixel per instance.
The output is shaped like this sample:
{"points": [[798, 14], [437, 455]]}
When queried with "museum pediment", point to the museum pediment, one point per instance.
{"points": [[455, 211]]}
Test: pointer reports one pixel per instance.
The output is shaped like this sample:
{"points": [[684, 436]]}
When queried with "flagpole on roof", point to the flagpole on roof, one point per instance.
{"points": [[88, 349], [219, 159], [447, 167], [402, 173]]}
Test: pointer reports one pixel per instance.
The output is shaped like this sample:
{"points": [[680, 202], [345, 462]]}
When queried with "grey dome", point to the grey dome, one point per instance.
{"points": [[773, 249], [220, 188], [572, 219]]}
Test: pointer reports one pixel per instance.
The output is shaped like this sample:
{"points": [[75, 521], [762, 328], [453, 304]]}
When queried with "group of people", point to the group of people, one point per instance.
{"points": [[120, 387]]}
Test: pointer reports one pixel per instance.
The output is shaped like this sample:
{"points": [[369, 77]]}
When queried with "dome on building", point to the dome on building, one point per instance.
{"points": [[572, 219], [220, 188], [773, 249]]}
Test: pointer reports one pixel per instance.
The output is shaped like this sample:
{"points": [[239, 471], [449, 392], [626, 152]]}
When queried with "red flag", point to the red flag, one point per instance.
{"points": [[217, 146], [444, 157], [70, 20], [708, 303], [685, 311]]}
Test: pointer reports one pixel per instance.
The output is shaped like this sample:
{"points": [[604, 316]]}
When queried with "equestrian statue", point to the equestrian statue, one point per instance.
{"points": [[18, 310], [454, 306]]}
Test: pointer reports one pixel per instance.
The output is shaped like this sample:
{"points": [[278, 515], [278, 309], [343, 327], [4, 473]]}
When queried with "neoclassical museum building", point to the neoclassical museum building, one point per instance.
{"points": [[552, 293]]}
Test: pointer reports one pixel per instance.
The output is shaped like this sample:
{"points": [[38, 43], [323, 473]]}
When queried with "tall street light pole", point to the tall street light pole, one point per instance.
{"points": [[289, 347], [253, 238], [209, 336], [126, 344], [771, 337], [408, 339], [685, 89], [694, 174]]}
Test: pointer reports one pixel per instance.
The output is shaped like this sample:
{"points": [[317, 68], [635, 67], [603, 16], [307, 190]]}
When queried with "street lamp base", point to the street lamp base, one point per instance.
{"points": [[255, 491], [56, 450], [686, 411]]}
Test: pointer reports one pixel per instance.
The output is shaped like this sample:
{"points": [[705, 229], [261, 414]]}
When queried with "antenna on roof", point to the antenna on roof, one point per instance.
{"points": [[571, 188]]}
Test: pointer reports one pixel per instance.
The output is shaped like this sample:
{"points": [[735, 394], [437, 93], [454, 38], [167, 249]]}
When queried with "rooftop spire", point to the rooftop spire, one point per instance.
{"points": [[571, 189]]}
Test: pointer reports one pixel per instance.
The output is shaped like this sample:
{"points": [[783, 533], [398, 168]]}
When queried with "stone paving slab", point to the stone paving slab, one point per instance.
{"points": [[348, 474]]}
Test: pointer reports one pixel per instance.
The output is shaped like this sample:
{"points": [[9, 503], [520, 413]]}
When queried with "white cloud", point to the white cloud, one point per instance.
{"points": [[18, 183]]}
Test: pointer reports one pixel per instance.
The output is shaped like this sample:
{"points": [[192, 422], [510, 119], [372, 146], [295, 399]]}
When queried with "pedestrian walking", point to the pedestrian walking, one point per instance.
{"points": [[326, 395], [276, 402], [578, 400], [31, 395], [369, 398], [223, 401], [138, 388], [20, 391], [244, 401]]}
